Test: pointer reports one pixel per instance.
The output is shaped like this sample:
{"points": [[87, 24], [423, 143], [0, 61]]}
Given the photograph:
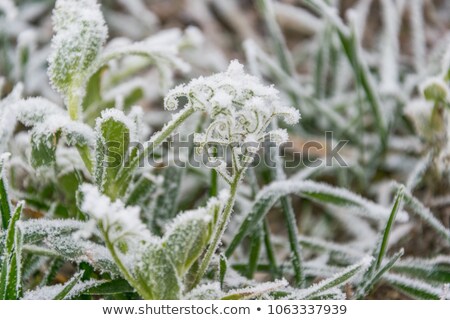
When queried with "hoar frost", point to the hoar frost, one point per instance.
{"points": [[241, 109], [239, 105], [121, 223]]}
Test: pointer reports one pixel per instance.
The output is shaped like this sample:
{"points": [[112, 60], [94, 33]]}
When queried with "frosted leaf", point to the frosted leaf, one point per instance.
{"points": [[434, 270], [71, 248], [51, 292], [425, 214], [157, 271], [50, 123], [61, 236], [332, 294], [161, 50], [115, 131], [416, 288], [122, 224], [76, 133], [35, 230], [186, 238], [120, 117], [32, 111], [255, 291], [324, 193], [337, 280], [210, 291], [318, 244], [80, 34]]}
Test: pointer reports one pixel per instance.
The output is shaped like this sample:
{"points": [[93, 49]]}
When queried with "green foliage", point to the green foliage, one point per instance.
{"points": [[129, 230]]}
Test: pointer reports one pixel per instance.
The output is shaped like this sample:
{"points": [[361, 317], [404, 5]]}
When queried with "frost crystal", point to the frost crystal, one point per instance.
{"points": [[241, 109], [120, 222], [239, 105], [80, 34]]}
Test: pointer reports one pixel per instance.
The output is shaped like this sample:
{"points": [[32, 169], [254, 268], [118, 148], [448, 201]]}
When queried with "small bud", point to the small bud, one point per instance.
{"points": [[435, 89]]}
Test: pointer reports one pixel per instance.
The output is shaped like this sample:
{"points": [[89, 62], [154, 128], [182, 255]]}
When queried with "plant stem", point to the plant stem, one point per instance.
{"points": [[219, 230], [73, 103], [156, 140], [126, 274]]}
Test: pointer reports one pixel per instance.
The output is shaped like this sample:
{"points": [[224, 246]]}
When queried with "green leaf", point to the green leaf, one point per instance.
{"points": [[319, 192], [334, 282], [369, 283], [260, 208], [59, 242], [256, 291], [415, 288], [114, 131], [83, 251], [112, 287], [223, 267], [430, 270], [69, 286], [93, 95], [10, 274], [186, 238], [426, 215], [157, 274], [374, 273], [70, 290], [5, 205], [167, 202], [43, 149], [45, 137], [141, 192], [80, 34], [35, 230], [255, 251], [387, 230]]}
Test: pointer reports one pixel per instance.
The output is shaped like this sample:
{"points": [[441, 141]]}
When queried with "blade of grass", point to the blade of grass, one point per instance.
{"points": [[5, 205], [69, 286], [255, 251], [338, 280], [388, 227], [368, 285], [363, 78]]}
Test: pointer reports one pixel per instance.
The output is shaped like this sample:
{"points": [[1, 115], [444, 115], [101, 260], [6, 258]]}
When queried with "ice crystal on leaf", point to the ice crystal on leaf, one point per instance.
{"points": [[239, 105], [241, 109], [122, 223], [80, 34]]}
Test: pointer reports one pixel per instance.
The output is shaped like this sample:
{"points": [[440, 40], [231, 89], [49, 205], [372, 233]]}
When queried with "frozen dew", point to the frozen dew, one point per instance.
{"points": [[120, 222]]}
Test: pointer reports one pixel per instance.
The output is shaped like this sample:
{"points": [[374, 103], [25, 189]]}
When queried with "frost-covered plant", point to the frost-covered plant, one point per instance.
{"points": [[75, 191]]}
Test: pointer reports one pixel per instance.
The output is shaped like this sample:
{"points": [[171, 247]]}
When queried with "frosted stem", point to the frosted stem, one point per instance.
{"points": [[219, 230], [155, 141], [73, 103], [125, 273]]}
